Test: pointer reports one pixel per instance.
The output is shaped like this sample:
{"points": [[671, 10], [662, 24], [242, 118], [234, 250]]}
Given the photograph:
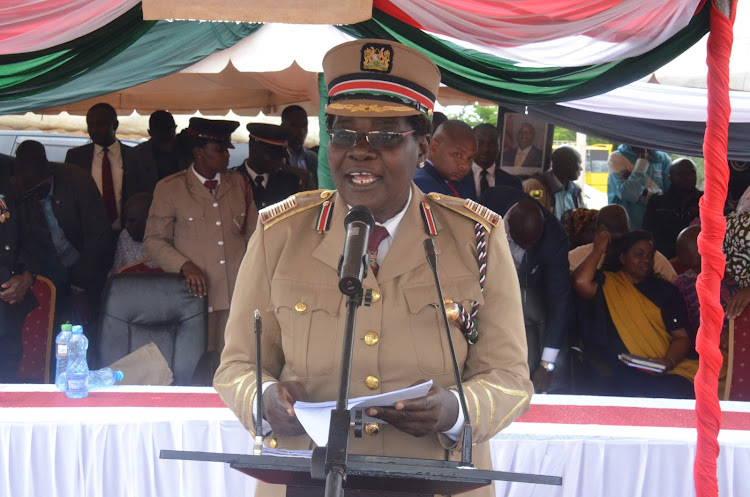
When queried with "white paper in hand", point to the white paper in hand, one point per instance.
{"points": [[315, 417]]}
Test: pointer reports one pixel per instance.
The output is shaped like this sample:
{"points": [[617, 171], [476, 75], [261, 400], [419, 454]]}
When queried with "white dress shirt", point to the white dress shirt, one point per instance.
{"points": [[476, 170], [115, 162]]}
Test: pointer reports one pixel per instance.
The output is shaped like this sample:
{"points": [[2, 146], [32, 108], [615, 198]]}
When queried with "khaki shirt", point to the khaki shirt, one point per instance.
{"points": [[187, 223], [290, 274]]}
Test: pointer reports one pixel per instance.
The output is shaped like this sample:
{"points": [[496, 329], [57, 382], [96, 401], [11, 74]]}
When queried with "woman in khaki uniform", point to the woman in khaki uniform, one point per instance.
{"points": [[290, 274]]}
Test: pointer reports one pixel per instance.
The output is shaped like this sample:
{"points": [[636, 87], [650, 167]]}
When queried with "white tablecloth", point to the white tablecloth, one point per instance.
{"points": [[114, 451]]}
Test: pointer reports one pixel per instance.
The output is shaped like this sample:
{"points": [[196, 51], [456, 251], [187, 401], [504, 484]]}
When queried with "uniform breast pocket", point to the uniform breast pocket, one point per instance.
{"points": [[188, 223], [308, 316], [428, 329]]}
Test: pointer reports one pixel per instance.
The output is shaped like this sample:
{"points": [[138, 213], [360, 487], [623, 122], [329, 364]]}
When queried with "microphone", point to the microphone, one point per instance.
{"points": [[466, 448], [358, 223]]}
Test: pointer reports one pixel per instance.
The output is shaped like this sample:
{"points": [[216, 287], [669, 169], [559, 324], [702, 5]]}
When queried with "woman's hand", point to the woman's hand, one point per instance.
{"points": [[601, 241], [738, 302], [278, 407], [436, 412], [668, 364]]}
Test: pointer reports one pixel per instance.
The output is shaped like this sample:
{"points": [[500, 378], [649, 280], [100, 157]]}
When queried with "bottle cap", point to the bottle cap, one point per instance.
{"points": [[78, 329], [66, 327], [119, 376]]}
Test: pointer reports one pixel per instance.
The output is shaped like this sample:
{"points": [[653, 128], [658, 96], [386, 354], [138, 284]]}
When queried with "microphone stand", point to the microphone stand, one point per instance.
{"points": [[258, 444], [337, 449], [338, 432], [466, 439]]}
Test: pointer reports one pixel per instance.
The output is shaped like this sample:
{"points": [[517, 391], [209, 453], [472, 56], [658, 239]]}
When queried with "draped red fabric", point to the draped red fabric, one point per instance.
{"points": [[713, 228], [32, 25], [615, 21]]}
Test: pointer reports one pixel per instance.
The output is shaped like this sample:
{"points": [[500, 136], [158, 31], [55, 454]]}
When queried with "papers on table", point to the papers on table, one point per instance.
{"points": [[315, 416], [300, 454]]}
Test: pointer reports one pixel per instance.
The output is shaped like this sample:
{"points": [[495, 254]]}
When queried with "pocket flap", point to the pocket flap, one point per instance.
{"points": [[464, 290], [303, 298]]}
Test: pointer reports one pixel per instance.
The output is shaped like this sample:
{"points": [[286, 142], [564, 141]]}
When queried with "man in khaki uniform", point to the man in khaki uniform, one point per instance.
{"points": [[290, 275], [200, 221]]}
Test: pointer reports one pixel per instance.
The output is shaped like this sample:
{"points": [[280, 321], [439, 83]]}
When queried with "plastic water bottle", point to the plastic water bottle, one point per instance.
{"points": [[77, 369], [61, 355], [105, 377], [100, 378]]}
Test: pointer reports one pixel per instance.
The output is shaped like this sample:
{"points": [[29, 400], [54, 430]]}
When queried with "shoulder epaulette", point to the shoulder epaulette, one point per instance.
{"points": [[469, 208], [174, 176], [290, 206]]}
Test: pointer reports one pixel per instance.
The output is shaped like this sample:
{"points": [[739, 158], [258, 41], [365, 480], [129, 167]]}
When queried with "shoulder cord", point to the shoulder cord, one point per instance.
{"points": [[468, 321]]}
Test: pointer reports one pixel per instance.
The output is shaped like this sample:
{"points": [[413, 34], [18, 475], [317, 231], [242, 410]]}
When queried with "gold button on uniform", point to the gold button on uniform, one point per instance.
{"points": [[371, 338], [376, 296], [273, 443], [372, 382], [300, 307], [372, 428]]}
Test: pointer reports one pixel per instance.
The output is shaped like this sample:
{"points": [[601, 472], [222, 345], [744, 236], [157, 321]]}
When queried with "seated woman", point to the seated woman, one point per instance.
{"points": [[632, 311], [580, 224], [129, 251]]}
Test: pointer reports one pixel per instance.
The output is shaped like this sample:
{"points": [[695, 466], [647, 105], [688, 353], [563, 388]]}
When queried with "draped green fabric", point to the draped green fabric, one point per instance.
{"points": [[165, 48], [325, 180], [489, 77], [30, 73]]}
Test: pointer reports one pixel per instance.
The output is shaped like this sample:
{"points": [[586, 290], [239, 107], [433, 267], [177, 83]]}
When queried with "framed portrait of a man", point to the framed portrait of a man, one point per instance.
{"points": [[525, 144]]}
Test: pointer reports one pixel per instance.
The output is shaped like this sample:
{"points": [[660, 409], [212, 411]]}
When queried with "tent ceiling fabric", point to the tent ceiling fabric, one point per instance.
{"points": [[287, 11], [246, 78], [211, 93], [690, 69], [559, 33], [159, 53], [32, 25]]}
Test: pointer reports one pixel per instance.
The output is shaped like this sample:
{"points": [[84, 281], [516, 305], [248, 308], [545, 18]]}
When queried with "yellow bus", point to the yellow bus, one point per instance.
{"points": [[596, 165]]}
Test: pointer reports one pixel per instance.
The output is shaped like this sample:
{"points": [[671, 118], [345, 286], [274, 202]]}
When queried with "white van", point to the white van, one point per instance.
{"points": [[58, 144]]}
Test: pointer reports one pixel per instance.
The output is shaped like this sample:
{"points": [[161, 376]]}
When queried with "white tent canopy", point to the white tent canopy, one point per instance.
{"points": [[264, 72]]}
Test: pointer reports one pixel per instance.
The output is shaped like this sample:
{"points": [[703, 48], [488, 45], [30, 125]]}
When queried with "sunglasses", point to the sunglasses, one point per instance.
{"points": [[379, 140]]}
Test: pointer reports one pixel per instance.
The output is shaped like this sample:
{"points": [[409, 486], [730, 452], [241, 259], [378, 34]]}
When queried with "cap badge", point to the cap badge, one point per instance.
{"points": [[377, 57]]}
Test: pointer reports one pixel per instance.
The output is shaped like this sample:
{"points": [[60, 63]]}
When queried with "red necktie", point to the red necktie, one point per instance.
{"points": [[108, 187], [212, 185], [378, 235], [453, 189]]}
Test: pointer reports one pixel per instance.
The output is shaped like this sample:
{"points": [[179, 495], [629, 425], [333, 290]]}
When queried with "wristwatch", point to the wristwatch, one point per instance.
{"points": [[547, 366]]}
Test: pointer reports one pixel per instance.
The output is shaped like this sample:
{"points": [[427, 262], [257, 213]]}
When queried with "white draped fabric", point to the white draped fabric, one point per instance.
{"points": [[660, 102], [114, 451], [558, 33], [31, 25]]}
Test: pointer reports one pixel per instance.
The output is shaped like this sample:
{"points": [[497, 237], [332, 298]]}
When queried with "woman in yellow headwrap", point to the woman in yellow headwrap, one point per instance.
{"points": [[634, 312]]}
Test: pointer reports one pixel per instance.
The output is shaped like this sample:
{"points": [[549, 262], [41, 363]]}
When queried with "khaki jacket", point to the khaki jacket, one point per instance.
{"points": [[290, 274], [186, 223]]}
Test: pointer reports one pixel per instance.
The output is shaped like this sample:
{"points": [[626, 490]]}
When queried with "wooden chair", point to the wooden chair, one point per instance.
{"points": [[738, 370], [37, 335]]}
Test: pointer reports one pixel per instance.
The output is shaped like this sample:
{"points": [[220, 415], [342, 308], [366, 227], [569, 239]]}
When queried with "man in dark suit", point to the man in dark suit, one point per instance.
{"points": [[539, 246], [485, 172], [271, 179], [160, 152], [16, 299], [7, 165], [448, 165], [68, 231], [295, 118], [114, 166], [525, 153]]}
